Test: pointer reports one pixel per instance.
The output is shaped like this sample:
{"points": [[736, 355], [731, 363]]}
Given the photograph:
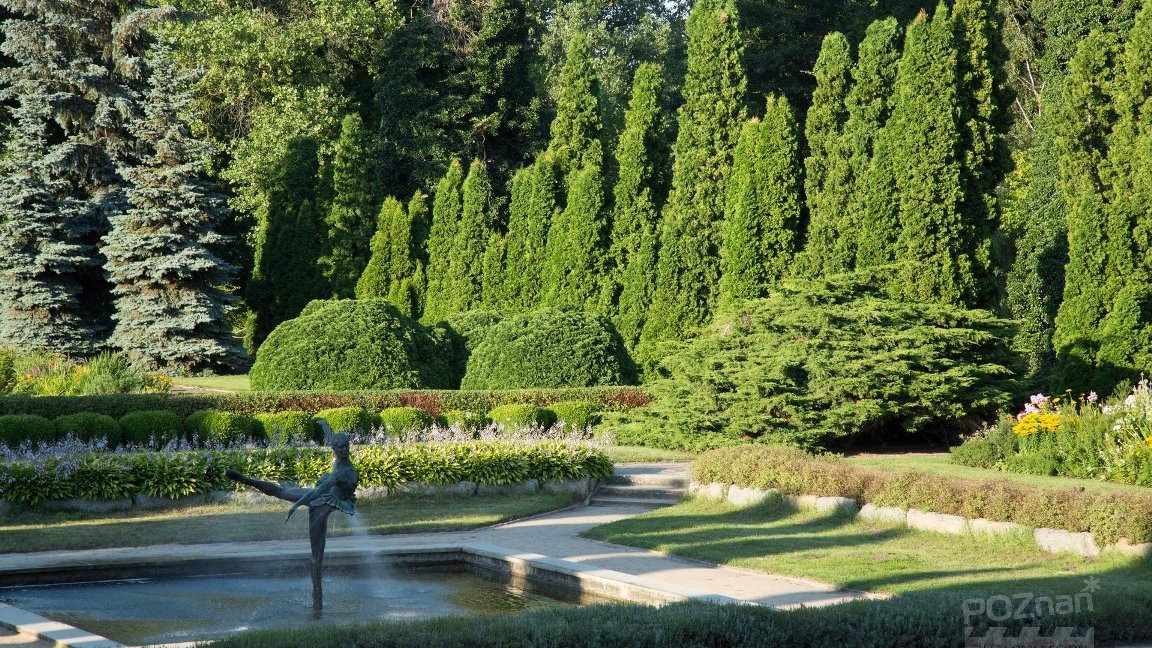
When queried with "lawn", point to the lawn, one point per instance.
{"points": [[235, 522], [942, 464], [640, 454], [238, 383]]}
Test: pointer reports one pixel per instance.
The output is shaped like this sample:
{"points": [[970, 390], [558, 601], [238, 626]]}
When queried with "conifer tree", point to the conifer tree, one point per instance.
{"points": [[641, 187], [161, 254], [574, 254], [871, 192], [466, 258], [492, 291], [391, 252], [826, 167], [447, 207], [575, 131], [530, 212], [688, 271], [763, 216], [935, 243], [421, 218], [59, 180], [285, 276], [350, 223]]}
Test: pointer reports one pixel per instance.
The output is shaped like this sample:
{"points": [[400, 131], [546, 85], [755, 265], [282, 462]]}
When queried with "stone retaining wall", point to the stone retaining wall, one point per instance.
{"points": [[1050, 540]]}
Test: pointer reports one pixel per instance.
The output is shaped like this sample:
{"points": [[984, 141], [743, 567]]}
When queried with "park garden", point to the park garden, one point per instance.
{"points": [[876, 251]]}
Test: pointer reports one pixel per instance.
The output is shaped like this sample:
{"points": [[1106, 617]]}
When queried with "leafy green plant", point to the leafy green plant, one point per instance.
{"points": [[159, 426], [212, 426], [400, 421], [87, 426], [350, 420], [282, 428], [16, 429], [465, 420], [577, 416], [522, 416]]}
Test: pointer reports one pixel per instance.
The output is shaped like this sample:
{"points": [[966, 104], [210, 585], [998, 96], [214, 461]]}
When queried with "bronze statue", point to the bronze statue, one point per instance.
{"points": [[334, 491]]}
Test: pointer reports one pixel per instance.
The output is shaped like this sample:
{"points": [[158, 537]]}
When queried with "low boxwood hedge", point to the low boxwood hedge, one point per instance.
{"points": [[1109, 516], [348, 420], [160, 426], [175, 474], [15, 429], [87, 426], [401, 421], [577, 416], [212, 426], [466, 421], [522, 416], [289, 426]]}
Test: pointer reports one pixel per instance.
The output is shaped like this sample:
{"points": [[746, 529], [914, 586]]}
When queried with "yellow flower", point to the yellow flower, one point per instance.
{"points": [[1037, 422]]}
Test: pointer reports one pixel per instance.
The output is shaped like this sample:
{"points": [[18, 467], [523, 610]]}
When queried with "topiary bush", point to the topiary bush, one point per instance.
{"points": [[400, 421], [577, 416], [87, 426], [18, 428], [822, 362], [349, 420], [282, 428], [352, 344], [550, 348], [160, 426], [515, 417], [465, 420], [211, 427]]}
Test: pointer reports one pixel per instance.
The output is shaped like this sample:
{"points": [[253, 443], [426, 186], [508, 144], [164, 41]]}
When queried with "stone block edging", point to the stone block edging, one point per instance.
{"points": [[1050, 540]]}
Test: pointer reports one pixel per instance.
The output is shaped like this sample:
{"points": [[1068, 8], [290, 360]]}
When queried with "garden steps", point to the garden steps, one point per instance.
{"points": [[650, 485]]}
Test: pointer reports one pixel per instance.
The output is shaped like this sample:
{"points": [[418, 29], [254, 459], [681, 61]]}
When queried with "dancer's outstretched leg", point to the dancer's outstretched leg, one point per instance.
{"points": [[268, 488]]}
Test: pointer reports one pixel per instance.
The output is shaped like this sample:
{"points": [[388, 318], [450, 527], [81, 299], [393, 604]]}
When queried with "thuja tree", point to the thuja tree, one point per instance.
{"points": [[871, 199], [574, 256], [935, 243], [350, 222], [531, 206], [575, 131], [58, 177], [392, 271], [826, 166], [161, 254], [764, 206], [688, 271], [492, 289], [465, 259], [447, 206], [641, 186]]}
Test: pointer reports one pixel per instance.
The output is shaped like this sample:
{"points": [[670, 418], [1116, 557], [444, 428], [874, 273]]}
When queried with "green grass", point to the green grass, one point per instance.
{"points": [[237, 383], [234, 522], [942, 464], [640, 454], [862, 555]]}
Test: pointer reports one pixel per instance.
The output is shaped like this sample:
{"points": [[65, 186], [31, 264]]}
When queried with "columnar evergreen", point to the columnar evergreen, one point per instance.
{"points": [[641, 187], [530, 211], [574, 256], [161, 254], [58, 179], [871, 207], [492, 289], [826, 168], [935, 242], [350, 223], [762, 221], [688, 272], [575, 131], [466, 258], [447, 207], [389, 274]]}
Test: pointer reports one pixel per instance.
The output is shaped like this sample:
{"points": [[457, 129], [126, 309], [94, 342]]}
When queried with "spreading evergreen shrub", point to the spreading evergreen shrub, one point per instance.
{"points": [[213, 426], [350, 420], [399, 421], [577, 416], [549, 348], [352, 344], [18, 428], [515, 417], [828, 360], [88, 426], [282, 428], [160, 426]]}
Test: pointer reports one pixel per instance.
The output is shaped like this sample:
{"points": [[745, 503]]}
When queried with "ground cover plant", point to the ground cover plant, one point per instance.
{"points": [[1083, 437]]}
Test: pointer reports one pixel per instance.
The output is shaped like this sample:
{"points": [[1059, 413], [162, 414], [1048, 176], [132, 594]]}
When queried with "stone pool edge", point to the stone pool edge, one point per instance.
{"points": [[518, 567]]}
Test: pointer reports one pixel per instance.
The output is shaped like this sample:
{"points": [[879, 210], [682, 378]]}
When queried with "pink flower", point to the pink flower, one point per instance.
{"points": [[1038, 399]]}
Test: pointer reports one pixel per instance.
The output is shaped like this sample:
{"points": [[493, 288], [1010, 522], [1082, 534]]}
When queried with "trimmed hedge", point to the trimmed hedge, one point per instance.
{"points": [[550, 348], [251, 403], [1109, 516], [87, 426], [522, 416], [281, 428], [577, 416], [349, 420], [161, 425], [400, 421], [353, 344], [467, 421], [18, 428], [100, 475], [217, 426]]}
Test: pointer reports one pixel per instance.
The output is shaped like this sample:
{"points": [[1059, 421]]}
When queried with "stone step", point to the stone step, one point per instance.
{"points": [[665, 481], [651, 502], [639, 490]]}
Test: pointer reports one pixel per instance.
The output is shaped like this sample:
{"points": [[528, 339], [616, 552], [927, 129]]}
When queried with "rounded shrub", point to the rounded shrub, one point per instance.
{"points": [[88, 426], [161, 426], [212, 426], [577, 416], [466, 421], [550, 348], [514, 417], [465, 331], [18, 428], [401, 421], [352, 344], [350, 420], [282, 428]]}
